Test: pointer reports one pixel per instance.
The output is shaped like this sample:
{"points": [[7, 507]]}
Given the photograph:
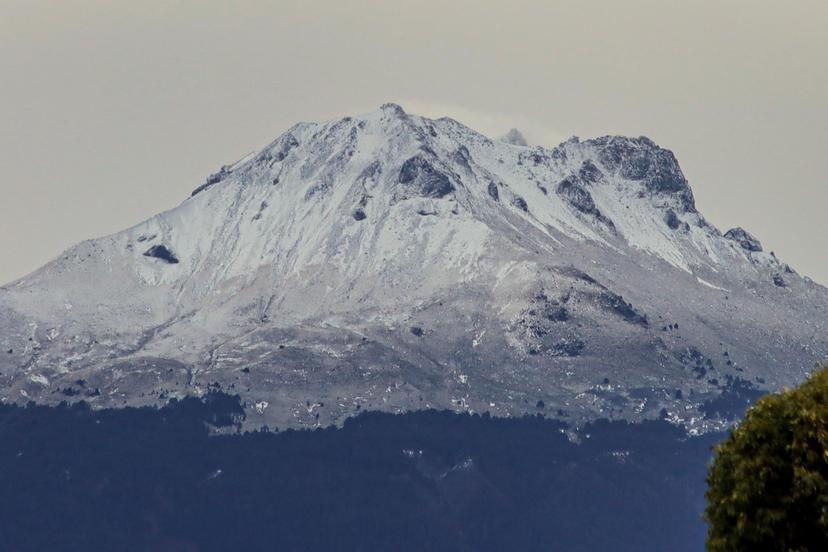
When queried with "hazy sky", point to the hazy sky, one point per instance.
{"points": [[113, 111]]}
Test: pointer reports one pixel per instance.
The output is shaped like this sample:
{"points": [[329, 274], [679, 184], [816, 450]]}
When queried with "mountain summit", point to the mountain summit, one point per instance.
{"points": [[395, 262]]}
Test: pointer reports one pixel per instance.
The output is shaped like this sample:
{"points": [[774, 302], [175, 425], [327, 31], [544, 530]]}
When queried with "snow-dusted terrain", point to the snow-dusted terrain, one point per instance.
{"points": [[395, 262]]}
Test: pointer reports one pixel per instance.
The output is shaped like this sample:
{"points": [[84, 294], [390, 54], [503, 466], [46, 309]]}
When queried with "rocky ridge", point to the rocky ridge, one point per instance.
{"points": [[395, 262]]}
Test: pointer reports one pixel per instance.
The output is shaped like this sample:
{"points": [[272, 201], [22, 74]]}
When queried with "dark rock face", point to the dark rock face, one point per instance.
{"points": [[671, 219], [420, 176], [358, 214], [589, 173], [161, 252], [493, 192], [629, 157], [778, 280], [573, 191], [746, 240], [520, 203], [641, 159]]}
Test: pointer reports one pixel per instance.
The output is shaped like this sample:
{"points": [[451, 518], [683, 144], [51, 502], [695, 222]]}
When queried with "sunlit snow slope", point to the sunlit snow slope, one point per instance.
{"points": [[395, 262]]}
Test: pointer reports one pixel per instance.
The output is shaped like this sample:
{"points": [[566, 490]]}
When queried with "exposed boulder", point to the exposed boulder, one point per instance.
{"points": [[746, 240]]}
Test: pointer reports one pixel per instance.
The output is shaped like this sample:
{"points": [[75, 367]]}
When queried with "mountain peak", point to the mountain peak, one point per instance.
{"points": [[641, 159], [371, 163], [393, 261], [392, 108]]}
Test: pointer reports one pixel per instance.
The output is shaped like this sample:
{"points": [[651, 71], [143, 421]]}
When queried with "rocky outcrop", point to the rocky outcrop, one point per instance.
{"points": [[421, 178], [542, 328], [391, 262], [214, 178], [589, 173], [161, 252], [616, 304], [746, 240], [642, 160], [573, 191], [671, 219]]}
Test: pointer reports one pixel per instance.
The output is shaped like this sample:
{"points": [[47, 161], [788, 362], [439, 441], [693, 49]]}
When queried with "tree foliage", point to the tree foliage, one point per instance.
{"points": [[768, 483]]}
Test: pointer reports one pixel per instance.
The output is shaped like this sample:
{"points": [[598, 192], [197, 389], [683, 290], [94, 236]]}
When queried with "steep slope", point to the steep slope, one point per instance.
{"points": [[394, 262]]}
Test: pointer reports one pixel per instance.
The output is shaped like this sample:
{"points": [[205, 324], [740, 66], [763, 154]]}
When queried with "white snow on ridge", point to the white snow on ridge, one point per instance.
{"points": [[387, 250], [291, 208]]}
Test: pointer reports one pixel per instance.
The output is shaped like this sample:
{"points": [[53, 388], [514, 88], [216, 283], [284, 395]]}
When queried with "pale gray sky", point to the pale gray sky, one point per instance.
{"points": [[113, 111]]}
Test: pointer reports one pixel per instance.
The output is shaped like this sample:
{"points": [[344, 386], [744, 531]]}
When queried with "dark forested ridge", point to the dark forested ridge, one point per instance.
{"points": [[143, 479]]}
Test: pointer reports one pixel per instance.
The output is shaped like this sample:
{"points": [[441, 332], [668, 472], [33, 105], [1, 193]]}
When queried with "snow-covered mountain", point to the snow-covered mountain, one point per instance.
{"points": [[395, 262]]}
